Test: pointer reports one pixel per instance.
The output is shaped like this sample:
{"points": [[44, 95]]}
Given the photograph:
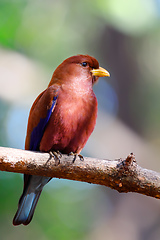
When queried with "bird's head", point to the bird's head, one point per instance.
{"points": [[78, 68]]}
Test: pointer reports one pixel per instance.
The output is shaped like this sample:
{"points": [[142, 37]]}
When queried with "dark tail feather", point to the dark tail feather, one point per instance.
{"points": [[26, 208], [33, 186]]}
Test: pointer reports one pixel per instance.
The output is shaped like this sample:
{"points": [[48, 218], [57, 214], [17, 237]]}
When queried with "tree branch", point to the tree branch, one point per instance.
{"points": [[123, 175]]}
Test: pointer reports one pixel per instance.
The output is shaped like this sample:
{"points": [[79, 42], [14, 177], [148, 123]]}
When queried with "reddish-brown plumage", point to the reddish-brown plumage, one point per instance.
{"points": [[74, 115], [61, 119], [71, 123]]}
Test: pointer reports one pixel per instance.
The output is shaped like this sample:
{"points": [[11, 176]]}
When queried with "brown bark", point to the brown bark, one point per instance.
{"points": [[123, 175]]}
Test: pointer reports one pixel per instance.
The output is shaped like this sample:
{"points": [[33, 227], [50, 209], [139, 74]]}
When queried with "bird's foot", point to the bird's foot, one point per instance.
{"points": [[76, 155], [57, 156]]}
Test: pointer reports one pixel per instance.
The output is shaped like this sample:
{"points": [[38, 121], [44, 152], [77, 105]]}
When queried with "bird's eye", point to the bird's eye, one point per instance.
{"points": [[84, 64]]}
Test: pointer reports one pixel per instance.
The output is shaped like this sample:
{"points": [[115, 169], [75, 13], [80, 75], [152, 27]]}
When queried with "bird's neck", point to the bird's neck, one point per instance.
{"points": [[78, 87]]}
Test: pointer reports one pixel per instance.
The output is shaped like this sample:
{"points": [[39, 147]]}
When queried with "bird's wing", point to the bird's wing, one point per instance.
{"points": [[39, 116]]}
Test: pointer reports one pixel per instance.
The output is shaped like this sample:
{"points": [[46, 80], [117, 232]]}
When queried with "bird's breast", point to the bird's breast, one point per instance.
{"points": [[71, 123]]}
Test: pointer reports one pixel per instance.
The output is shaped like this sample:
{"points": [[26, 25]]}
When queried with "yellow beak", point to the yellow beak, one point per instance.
{"points": [[100, 72]]}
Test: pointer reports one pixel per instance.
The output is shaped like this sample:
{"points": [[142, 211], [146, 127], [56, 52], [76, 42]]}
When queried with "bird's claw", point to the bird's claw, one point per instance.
{"points": [[76, 155], [57, 156]]}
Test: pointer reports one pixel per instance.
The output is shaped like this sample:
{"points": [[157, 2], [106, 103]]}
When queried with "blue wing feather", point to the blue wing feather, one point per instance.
{"points": [[33, 185], [38, 131]]}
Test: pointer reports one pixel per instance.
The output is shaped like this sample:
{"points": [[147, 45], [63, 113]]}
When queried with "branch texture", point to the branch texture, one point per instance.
{"points": [[123, 175]]}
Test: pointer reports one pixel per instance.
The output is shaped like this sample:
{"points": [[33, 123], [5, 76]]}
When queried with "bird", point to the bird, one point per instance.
{"points": [[61, 120]]}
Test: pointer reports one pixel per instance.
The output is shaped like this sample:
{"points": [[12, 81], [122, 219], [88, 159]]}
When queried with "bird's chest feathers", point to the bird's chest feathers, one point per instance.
{"points": [[73, 109], [73, 118], [71, 122]]}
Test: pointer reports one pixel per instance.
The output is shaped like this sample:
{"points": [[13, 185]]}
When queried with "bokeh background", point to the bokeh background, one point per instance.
{"points": [[35, 37]]}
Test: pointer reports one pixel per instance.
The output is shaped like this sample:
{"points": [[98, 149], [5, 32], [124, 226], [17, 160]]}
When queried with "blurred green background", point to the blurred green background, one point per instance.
{"points": [[35, 37]]}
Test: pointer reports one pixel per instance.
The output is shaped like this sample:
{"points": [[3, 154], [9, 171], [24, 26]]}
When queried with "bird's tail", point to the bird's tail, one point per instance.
{"points": [[28, 201], [26, 208]]}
